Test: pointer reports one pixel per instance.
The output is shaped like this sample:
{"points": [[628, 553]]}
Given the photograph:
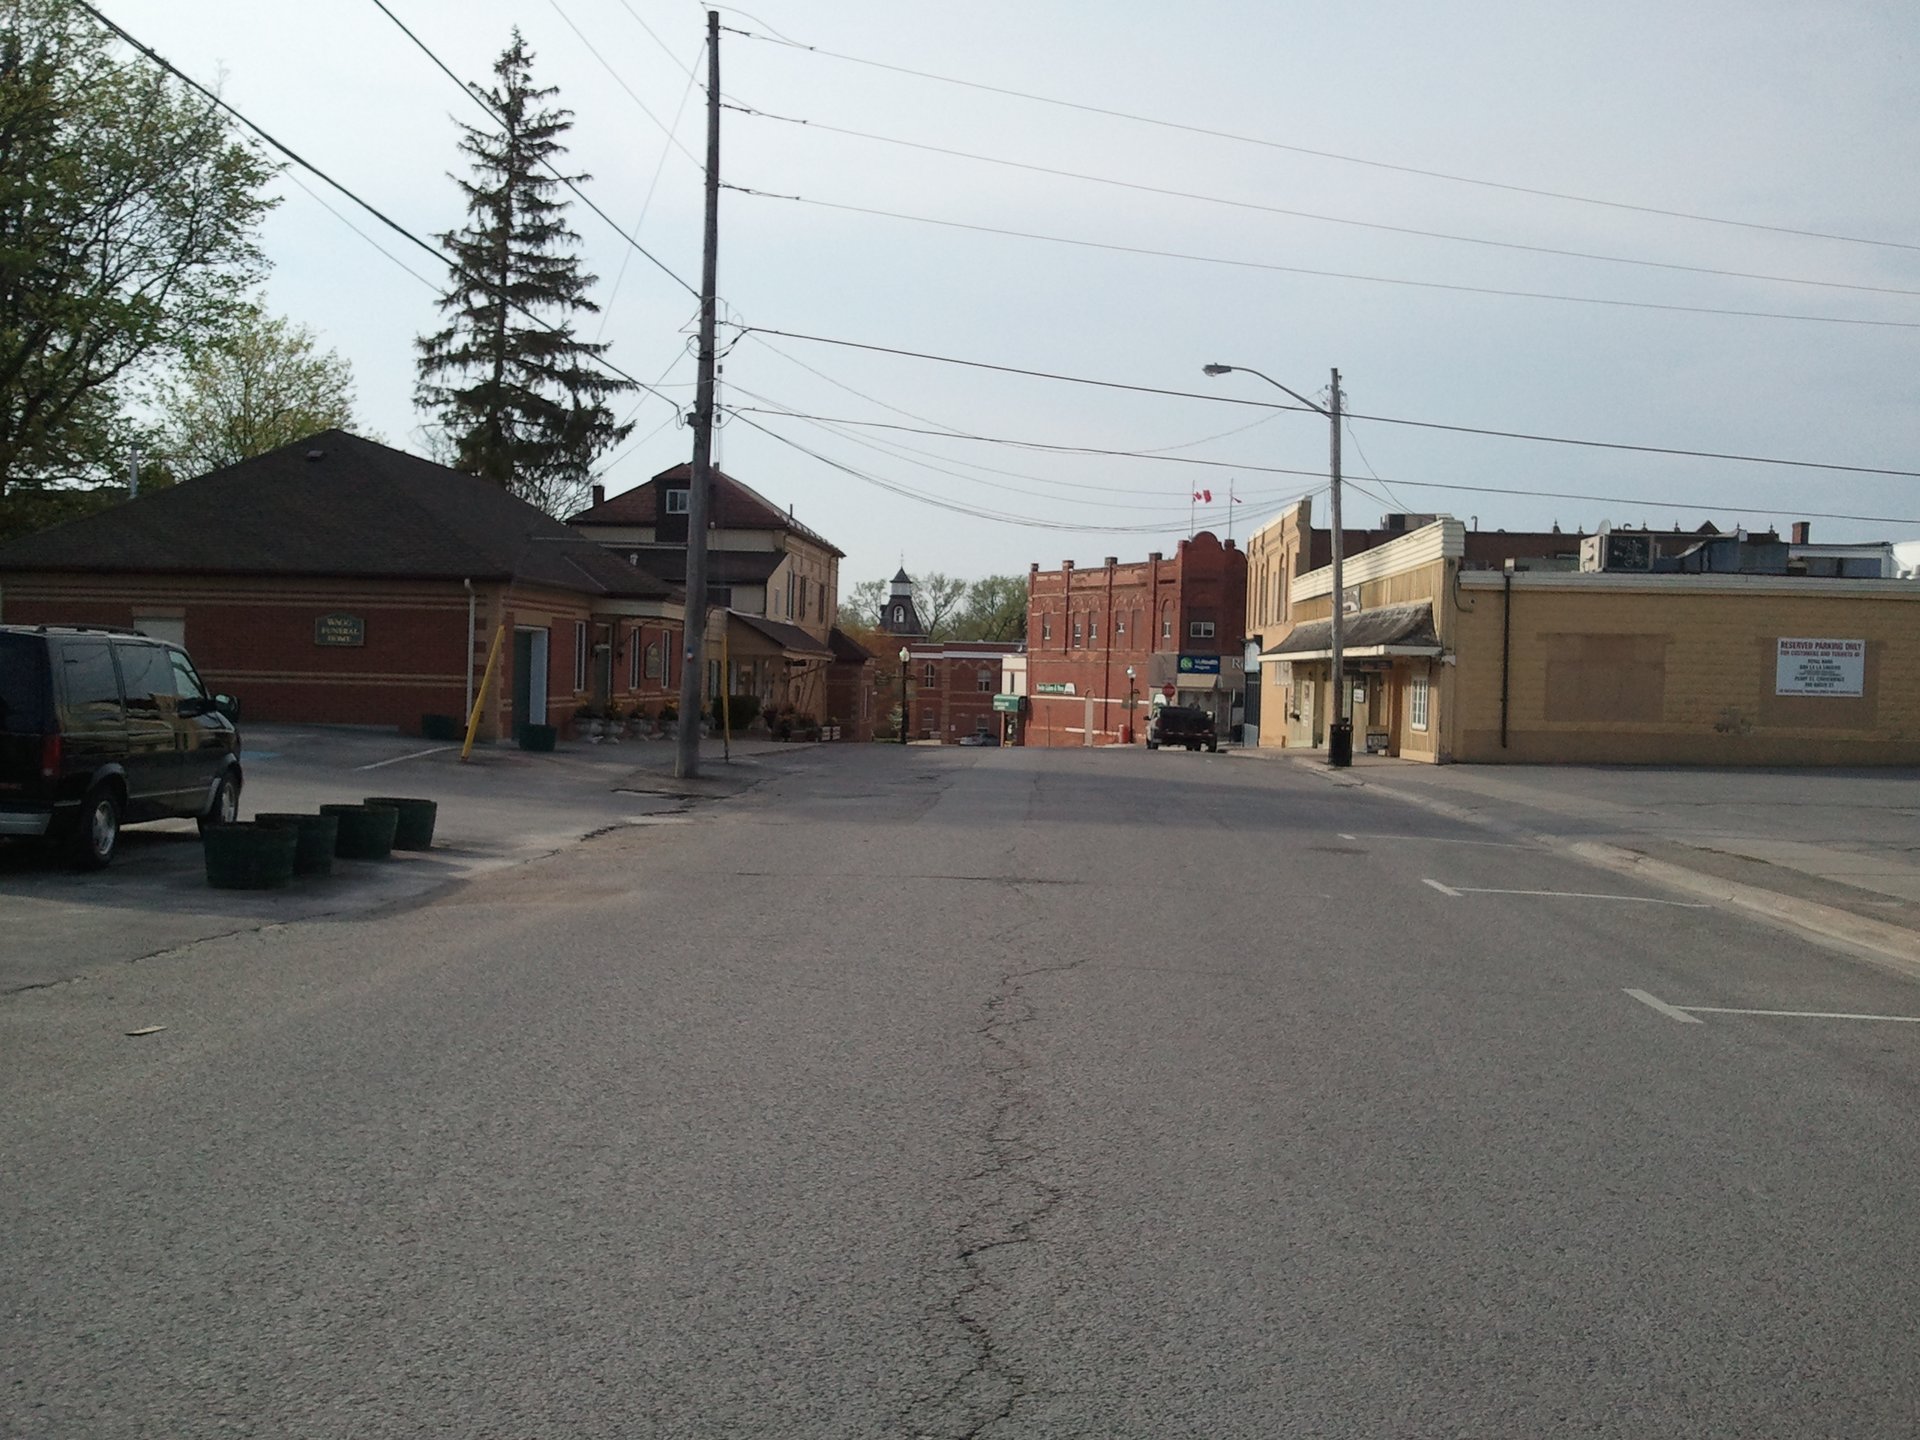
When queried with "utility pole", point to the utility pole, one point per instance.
{"points": [[1340, 713], [133, 473], [686, 763]]}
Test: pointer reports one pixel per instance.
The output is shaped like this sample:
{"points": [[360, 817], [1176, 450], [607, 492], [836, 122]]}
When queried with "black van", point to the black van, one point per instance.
{"points": [[100, 728], [1186, 725]]}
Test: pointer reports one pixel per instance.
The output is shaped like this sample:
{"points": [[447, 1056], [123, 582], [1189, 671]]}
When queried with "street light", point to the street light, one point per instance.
{"points": [[905, 656], [1337, 754], [1130, 703]]}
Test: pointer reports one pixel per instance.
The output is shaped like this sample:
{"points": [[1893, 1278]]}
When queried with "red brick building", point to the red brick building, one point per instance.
{"points": [[951, 685], [1177, 624], [338, 581]]}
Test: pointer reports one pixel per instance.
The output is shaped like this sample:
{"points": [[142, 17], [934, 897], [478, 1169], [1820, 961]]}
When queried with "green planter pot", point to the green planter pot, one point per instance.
{"points": [[318, 834], [249, 857], [538, 738], [366, 831], [415, 828]]}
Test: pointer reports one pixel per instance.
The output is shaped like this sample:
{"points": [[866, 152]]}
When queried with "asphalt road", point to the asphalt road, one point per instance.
{"points": [[976, 1093]]}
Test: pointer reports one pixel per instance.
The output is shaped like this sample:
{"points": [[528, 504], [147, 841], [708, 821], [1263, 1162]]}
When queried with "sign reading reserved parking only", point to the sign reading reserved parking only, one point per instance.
{"points": [[1835, 668]]}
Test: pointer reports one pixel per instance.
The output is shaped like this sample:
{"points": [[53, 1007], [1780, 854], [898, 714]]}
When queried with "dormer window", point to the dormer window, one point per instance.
{"points": [[676, 502], [899, 614]]}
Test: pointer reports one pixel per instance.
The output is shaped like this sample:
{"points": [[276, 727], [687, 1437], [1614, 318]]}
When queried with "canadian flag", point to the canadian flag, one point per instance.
{"points": [[1205, 496]]}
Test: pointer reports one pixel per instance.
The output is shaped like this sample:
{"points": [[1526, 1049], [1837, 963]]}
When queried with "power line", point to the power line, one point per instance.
{"points": [[1219, 399], [472, 92], [387, 220], [1316, 216], [1276, 268], [1336, 156], [672, 138], [1242, 466]]}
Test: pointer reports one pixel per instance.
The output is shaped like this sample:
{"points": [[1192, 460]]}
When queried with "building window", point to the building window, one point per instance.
{"points": [[1136, 627], [931, 676], [579, 654], [1417, 701], [1119, 624], [676, 502], [984, 682], [1093, 629], [1046, 627], [633, 661], [1200, 629], [899, 614], [653, 660], [1166, 621], [1076, 630]]}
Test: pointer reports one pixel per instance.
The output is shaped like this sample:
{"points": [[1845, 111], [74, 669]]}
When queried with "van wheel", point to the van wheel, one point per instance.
{"points": [[225, 808], [96, 835]]}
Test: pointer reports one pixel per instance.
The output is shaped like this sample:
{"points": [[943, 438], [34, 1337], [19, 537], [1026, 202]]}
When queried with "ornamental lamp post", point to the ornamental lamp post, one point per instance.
{"points": [[1130, 704], [1340, 733], [905, 656]]}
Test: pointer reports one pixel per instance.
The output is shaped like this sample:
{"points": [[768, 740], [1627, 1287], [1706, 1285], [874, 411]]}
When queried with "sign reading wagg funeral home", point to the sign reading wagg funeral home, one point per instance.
{"points": [[340, 630], [1820, 667]]}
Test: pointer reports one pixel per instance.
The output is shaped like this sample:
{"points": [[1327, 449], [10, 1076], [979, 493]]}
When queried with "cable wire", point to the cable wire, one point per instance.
{"points": [[1242, 139], [1273, 267], [1317, 216], [1218, 399]]}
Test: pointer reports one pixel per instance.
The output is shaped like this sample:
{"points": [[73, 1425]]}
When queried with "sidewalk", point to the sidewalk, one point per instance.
{"points": [[1832, 852]]}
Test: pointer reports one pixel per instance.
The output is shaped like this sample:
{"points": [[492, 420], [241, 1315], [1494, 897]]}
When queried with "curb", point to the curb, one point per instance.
{"points": [[1893, 947]]}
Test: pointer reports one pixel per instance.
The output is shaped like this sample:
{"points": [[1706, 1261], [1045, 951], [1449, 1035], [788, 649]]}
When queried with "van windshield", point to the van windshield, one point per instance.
{"points": [[23, 684]]}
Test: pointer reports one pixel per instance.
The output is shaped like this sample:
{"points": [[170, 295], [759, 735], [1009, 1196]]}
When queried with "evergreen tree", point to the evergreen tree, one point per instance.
{"points": [[517, 394]]}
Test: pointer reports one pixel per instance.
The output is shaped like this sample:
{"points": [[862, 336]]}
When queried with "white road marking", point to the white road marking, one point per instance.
{"points": [[1443, 889], [416, 755], [1446, 840], [1672, 1012], [1584, 895], [1802, 1014]]}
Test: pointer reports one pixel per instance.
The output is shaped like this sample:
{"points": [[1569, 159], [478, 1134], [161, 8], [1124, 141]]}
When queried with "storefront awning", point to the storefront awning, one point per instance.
{"points": [[1388, 630]]}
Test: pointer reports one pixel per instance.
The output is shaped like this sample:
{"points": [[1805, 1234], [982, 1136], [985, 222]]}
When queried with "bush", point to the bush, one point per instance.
{"points": [[669, 713], [742, 710]]}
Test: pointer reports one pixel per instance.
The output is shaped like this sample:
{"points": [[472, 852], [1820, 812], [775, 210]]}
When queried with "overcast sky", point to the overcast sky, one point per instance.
{"points": [[1800, 116]]}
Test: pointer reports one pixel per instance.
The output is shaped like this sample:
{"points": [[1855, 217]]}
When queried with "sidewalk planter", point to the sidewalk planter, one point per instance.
{"points": [[415, 828], [249, 856], [317, 837], [366, 831], [538, 738]]}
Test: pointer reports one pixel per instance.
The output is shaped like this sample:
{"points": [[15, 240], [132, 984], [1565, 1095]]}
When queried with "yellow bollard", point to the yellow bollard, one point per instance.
{"points": [[480, 695]]}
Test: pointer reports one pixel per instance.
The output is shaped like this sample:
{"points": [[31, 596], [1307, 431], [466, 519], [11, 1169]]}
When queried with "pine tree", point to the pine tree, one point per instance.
{"points": [[518, 395]]}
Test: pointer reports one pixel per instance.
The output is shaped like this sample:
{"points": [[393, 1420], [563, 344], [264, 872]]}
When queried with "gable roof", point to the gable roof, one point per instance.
{"points": [[335, 505], [724, 567], [733, 505], [845, 647], [788, 637]]}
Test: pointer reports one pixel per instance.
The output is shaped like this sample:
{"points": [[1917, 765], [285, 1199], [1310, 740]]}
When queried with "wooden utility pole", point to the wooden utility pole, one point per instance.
{"points": [[1336, 647], [693, 674]]}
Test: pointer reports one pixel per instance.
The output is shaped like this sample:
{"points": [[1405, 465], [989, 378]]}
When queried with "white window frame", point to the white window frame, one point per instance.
{"points": [[1076, 632], [985, 682], [1046, 625], [1420, 702], [1166, 622], [679, 502], [930, 677], [1200, 629]]}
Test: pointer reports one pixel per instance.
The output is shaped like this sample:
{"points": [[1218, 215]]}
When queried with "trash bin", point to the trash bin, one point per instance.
{"points": [[1340, 743]]}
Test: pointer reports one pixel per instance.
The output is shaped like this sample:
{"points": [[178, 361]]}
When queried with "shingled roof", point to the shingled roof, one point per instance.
{"points": [[335, 505], [734, 505]]}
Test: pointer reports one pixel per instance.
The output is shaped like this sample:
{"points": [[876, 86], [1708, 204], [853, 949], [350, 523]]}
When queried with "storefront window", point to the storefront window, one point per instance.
{"points": [[1417, 703]]}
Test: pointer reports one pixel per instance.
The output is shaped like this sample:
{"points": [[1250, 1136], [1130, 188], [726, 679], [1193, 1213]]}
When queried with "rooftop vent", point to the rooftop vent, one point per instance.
{"points": [[316, 454]]}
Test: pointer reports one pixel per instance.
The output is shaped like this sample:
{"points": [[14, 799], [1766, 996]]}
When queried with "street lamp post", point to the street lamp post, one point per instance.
{"points": [[1336, 754], [1130, 704], [905, 656]]}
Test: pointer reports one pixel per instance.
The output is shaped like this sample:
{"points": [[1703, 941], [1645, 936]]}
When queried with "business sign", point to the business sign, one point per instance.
{"points": [[1008, 704], [1199, 664], [1836, 668], [1054, 687], [340, 630]]}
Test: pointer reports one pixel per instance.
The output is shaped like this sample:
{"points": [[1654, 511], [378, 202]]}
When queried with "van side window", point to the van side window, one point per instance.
{"points": [[185, 682], [92, 687], [147, 675]]}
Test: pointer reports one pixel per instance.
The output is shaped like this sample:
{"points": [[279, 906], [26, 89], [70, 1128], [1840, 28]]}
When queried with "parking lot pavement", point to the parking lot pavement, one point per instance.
{"points": [[502, 808]]}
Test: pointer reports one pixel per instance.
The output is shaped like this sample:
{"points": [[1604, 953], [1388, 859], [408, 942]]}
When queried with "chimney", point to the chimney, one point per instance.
{"points": [[1112, 560], [1801, 530], [599, 494]]}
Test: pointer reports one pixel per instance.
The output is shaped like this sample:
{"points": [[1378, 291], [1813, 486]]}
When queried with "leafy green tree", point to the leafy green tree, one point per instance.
{"points": [[516, 391], [995, 609], [128, 211], [264, 385], [938, 598], [862, 607]]}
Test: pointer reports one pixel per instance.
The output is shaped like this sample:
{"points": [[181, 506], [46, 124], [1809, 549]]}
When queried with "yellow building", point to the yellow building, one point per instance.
{"points": [[1562, 666]]}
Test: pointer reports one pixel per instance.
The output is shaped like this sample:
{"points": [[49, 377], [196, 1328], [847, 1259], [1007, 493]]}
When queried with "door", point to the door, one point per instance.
{"points": [[529, 678], [206, 736], [93, 725], [155, 743]]}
